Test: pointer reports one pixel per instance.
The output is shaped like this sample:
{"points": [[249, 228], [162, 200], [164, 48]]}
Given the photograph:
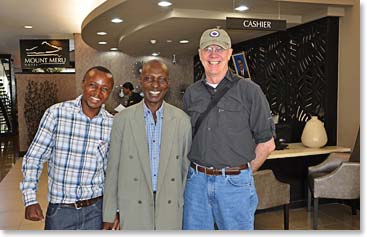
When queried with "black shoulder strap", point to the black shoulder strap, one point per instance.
{"points": [[211, 105]]}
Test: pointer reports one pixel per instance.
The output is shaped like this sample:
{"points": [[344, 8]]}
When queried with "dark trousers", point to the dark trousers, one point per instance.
{"points": [[60, 217]]}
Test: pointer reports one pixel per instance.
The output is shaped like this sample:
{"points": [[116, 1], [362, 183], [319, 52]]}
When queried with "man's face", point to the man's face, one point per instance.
{"points": [[97, 87], [215, 59], [240, 64], [154, 84], [126, 91]]}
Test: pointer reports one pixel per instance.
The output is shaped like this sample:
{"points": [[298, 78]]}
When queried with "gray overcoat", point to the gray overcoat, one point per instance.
{"points": [[128, 185]]}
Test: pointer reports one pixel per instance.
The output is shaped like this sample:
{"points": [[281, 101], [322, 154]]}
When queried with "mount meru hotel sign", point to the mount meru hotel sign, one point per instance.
{"points": [[48, 53], [255, 24]]}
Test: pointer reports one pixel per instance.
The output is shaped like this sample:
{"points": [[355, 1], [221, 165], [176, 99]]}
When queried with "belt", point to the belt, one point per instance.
{"points": [[82, 203], [212, 171]]}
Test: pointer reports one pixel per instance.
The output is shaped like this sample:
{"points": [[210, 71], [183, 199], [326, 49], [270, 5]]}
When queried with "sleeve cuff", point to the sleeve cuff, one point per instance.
{"points": [[264, 136], [29, 198]]}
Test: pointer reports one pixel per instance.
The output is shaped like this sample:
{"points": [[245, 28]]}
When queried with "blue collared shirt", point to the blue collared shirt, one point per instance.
{"points": [[75, 148], [154, 132]]}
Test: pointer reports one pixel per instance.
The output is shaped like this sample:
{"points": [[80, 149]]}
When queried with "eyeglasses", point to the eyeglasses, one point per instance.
{"points": [[209, 50], [159, 80]]}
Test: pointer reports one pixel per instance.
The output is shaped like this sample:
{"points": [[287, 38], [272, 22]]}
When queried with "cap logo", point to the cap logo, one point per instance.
{"points": [[214, 33]]}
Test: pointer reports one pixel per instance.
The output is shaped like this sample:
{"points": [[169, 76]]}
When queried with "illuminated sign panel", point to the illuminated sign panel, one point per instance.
{"points": [[47, 53], [255, 24]]}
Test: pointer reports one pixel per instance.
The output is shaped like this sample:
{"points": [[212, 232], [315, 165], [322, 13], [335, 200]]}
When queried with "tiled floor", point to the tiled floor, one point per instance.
{"points": [[331, 216]]}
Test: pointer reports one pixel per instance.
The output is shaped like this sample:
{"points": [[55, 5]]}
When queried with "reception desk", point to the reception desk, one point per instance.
{"points": [[291, 166], [298, 149]]}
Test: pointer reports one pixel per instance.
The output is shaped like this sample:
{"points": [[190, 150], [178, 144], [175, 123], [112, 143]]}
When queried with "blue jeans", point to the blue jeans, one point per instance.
{"points": [[230, 201], [60, 217]]}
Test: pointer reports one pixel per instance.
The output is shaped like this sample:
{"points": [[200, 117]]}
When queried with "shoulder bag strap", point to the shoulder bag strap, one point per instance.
{"points": [[212, 104]]}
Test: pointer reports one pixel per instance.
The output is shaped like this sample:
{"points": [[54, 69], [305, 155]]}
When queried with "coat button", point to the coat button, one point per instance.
{"points": [[131, 157], [177, 157], [173, 179], [135, 179], [140, 202], [169, 201]]}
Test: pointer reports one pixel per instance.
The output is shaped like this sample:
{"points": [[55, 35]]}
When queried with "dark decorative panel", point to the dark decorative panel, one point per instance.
{"points": [[38, 97], [297, 71], [268, 64]]}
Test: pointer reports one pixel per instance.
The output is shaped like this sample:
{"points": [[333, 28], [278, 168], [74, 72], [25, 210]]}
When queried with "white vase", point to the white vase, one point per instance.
{"points": [[314, 134]]}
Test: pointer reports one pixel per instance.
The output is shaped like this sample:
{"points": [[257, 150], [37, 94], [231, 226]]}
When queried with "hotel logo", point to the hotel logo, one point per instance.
{"points": [[44, 53]]}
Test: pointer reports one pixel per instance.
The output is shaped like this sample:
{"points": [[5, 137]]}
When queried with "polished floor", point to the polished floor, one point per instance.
{"points": [[331, 216]]}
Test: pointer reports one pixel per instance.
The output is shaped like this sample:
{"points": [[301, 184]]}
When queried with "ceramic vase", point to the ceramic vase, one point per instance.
{"points": [[314, 134]]}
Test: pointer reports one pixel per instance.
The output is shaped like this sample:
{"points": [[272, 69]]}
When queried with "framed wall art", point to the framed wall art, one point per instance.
{"points": [[240, 64]]}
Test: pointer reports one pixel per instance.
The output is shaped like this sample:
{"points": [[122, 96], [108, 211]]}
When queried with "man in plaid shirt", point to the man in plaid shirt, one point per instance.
{"points": [[73, 137]]}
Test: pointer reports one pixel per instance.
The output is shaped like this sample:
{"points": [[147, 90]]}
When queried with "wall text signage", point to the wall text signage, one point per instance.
{"points": [[48, 53], [255, 24]]}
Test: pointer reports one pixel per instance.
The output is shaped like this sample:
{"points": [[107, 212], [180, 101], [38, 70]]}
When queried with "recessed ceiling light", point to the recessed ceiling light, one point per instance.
{"points": [[153, 41], [155, 54], [184, 41], [101, 33], [114, 49], [102, 42], [117, 20], [241, 8], [28, 27], [164, 3], [169, 41]]}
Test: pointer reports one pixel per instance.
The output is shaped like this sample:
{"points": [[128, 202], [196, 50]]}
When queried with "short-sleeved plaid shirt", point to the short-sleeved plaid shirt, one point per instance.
{"points": [[75, 148]]}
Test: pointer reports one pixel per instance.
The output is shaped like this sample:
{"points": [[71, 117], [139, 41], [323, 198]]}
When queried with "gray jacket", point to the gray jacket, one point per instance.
{"points": [[128, 185]]}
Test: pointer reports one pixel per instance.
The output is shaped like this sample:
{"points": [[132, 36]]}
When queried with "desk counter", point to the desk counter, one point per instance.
{"points": [[298, 149]]}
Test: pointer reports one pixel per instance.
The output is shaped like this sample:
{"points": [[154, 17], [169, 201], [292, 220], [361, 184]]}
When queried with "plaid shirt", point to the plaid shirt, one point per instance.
{"points": [[154, 131], [75, 148]]}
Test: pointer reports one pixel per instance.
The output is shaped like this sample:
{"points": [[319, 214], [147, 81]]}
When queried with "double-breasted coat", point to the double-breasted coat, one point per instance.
{"points": [[128, 185]]}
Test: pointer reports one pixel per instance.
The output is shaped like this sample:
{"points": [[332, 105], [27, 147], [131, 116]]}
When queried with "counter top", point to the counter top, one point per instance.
{"points": [[298, 149]]}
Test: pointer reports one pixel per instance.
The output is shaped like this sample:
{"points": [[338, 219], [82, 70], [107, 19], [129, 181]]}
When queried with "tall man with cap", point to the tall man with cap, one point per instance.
{"points": [[230, 142]]}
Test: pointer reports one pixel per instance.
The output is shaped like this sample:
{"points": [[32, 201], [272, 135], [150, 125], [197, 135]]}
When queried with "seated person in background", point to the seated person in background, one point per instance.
{"points": [[133, 97]]}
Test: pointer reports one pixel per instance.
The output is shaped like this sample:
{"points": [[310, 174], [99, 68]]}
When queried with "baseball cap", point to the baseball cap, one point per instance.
{"points": [[215, 36]]}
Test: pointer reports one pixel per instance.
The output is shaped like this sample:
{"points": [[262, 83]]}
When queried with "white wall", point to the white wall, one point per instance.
{"points": [[349, 76]]}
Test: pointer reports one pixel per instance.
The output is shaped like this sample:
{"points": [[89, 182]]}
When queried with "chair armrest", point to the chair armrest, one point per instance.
{"points": [[332, 162], [342, 183]]}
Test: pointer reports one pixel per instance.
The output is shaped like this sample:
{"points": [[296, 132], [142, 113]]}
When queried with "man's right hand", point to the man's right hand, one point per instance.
{"points": [[112, 226], [107, 226], [34, 212]]}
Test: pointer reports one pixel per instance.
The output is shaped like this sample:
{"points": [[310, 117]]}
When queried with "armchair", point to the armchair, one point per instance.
{"points": [[337, 177], [272, 193]]}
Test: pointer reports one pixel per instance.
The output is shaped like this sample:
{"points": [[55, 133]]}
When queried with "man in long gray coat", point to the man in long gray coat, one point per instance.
{"points": [[148, 162]]}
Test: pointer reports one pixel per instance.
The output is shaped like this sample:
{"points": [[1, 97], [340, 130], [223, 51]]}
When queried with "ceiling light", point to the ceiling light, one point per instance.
{"points": [[117, 20], [28, 27], [164, 3], [241, 8], [155, 54], [114, 49], [153, 41], [102, 42], [169, 41], [184, 41], [101, 33]]}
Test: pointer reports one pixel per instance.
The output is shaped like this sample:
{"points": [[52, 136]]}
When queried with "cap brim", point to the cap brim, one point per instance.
{"points": [[219, 43]]}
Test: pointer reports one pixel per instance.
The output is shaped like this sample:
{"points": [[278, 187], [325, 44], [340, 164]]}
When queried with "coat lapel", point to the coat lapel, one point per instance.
{"points": [[140, 137], [168, 130]]}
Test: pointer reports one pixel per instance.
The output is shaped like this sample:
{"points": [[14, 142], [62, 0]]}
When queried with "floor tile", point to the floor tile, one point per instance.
{"points": [[11, 218]]}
